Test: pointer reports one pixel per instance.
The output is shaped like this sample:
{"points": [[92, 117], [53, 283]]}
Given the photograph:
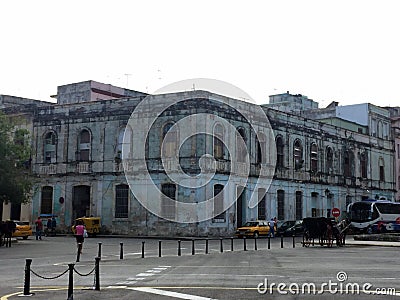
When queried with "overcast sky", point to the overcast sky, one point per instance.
{"points": [[345, 51]]}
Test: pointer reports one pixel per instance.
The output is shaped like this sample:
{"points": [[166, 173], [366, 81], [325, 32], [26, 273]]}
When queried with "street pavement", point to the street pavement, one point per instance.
{"points": [[238, 274]]}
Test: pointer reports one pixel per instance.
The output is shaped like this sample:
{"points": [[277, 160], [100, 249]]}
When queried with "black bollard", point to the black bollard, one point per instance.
{"points": [[71, 282], [269, 242], [179, 248], [27, 281], [244, 244], [281, 241], [97, 273], [255, 243], [121, 251], [206, 246], [78, 254], [232, 244], [159, 248], [221, 246], [193, 250], [99, 252], [294, 241], [143, 249]]}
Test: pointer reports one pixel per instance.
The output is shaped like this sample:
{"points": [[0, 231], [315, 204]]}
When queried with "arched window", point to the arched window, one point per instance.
{"points": [[49, 148], [46, 205], [280, 152], [329, 160], [84, 146], [219, 212], [218, 141], [261, 148], [121, 201], [298, 155], [169, 141], [314, 157], [241, 150]]}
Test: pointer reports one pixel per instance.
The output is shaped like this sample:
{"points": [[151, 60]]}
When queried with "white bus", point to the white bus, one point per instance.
{"points": [[374, 216]]}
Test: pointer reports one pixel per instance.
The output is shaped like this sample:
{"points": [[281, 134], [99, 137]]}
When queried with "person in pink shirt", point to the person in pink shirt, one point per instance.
{"points": [[79, 231]]}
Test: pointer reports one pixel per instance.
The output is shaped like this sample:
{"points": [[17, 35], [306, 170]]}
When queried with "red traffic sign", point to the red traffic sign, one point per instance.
{"points": [[335, 212]]}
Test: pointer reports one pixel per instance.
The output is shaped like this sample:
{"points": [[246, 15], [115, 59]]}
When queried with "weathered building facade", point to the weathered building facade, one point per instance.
{"points": [[321, 160], [21, 113]]}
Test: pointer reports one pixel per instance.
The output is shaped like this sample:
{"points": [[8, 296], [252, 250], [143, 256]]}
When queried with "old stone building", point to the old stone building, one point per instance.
{"points": [[312, 161], [395, 117], [21, 113]]}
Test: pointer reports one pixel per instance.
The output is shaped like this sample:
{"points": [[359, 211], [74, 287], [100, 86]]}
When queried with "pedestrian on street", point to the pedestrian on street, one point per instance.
{"points": [[79, 231], [48, 225], [53, 225], [39, 228], [271, 228]]}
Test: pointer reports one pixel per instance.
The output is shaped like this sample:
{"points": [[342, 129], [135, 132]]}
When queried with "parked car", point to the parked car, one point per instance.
{"points": [[288, 228], [23, 229], [92, 225], [253, 229]]}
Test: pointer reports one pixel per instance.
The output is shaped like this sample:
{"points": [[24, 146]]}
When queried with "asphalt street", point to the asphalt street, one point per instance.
{"points": [[276, 273]]}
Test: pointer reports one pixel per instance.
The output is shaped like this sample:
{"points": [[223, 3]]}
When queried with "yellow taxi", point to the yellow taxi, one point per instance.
{"points": [[92, 225], [253, 229], [22, 229]]}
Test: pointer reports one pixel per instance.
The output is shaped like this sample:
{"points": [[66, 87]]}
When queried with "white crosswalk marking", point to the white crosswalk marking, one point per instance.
{"points": [[142, 276], [170, 294]]}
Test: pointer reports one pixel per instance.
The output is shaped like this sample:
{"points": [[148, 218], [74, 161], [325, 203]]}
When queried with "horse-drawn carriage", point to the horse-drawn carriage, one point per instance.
{"points": [[323, 231]]}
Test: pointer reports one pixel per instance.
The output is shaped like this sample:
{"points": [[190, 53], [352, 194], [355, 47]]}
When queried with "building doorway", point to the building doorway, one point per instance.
{"points": [[240, 212], [80, 201]]}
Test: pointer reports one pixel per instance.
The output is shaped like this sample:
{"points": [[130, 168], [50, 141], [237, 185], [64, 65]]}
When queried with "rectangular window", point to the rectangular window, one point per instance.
{"points": [[313, 212], [261, 204], [381, 173], [84, 155], [299, 205], [349, 200], [46, 206], [398, 151], [219, 203], [121, 201], [281, 204], [168, 207]]}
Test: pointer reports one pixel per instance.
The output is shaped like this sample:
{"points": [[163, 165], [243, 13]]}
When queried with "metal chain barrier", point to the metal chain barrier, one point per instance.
{"points": [[71, 269], [49, 278], [83, 275]]}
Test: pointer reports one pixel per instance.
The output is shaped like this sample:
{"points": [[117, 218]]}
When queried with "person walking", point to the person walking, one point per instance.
{"points": [[39, 228], [271, 228], [79, 231], [53, 226], [48, 225]]}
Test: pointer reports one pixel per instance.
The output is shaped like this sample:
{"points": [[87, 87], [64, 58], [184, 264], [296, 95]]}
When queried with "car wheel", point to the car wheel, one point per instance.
{"points": [[25, 237], [256, 235]]}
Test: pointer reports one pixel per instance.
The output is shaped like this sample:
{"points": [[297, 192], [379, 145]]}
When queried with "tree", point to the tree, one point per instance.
{"points": [[15, 153]]}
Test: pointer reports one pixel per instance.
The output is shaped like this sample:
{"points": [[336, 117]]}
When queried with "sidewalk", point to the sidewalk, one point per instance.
{"points": [[353, 242]]}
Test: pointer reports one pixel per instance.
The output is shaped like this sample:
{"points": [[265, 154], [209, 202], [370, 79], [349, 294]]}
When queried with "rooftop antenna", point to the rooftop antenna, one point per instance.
{"points": [[127, 79]]}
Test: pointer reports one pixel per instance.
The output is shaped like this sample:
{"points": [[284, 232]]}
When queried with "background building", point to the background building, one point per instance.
{"points": [[325, 158]]}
